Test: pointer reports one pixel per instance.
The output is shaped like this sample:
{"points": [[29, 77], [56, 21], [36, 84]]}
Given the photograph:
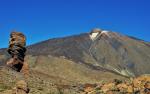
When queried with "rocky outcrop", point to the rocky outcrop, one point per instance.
{"points": [[17, 51], [139, 85]]}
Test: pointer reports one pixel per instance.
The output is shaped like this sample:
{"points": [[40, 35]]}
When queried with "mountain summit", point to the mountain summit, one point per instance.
{"points": [[100, 49], [99, 55]]}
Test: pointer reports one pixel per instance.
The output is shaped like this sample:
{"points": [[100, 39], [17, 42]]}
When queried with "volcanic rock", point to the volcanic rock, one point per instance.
{"points": [[17, 51]]}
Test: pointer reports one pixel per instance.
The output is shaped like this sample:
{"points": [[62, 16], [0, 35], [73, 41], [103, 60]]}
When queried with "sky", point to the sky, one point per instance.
{"points": [[45, 19]]}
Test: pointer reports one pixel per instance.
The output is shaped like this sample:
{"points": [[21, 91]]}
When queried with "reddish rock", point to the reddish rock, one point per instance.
{"points": [[16, 50], [107, 87]]}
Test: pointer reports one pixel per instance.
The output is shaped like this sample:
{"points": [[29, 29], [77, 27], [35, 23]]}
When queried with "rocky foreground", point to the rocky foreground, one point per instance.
{"points": [[10, 84], [139, 85]]}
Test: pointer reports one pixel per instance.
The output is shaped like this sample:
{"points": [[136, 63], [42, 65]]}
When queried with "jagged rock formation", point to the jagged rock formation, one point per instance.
{"points": [[17, 51]]}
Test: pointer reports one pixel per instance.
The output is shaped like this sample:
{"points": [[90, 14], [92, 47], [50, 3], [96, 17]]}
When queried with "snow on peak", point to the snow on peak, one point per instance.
{"points": [[98, 32], [94, 33], [105, 32]]}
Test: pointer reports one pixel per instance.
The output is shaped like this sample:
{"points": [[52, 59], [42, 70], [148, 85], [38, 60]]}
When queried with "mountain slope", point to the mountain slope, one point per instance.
{"points": [[98, 50], [108, 51], [76, 60]]}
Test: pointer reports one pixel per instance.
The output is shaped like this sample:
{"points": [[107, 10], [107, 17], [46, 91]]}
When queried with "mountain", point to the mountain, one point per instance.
{"points": [[109, 51], [92, 57]]}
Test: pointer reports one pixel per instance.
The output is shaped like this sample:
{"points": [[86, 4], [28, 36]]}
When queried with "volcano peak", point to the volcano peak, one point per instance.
{"points": [[97, 32]]}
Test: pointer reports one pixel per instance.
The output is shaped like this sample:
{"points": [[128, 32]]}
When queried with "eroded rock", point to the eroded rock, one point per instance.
{"points": [[17, 51]]}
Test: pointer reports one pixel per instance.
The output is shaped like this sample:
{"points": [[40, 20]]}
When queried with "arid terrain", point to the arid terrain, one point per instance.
{"points": [[98, 62]]}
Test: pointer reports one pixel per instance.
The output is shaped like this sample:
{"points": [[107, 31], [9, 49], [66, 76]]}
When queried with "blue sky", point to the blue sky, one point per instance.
{"points": [[43, 19]]}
